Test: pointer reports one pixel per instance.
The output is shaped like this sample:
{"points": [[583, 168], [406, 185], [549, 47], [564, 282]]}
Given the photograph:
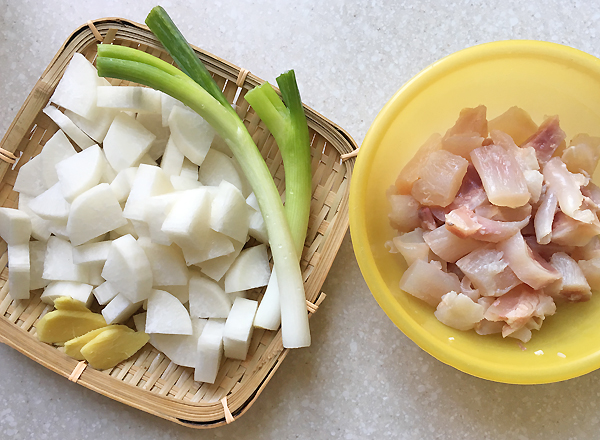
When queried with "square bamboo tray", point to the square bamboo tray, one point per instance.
{"points": [[149, 380]]}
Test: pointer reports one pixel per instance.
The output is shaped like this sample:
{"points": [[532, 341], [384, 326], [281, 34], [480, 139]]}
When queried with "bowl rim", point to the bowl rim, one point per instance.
{"points": [[482, 369]]}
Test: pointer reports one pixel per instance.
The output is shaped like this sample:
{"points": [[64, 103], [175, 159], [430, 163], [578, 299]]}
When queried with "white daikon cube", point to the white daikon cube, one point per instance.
{"points": [[95, 273], [181, 183], [207, 298], [30, 179], [192, 134], [181, 349], [149, 181], [51, 204], [96, 126], [79, 291], [37, 254], [126, 142], [135, 99], [91, 252], [238, 328], [219, 144], [182, 293], [167, 104], [76, 90], [217, 167], [39, 226], [70, 129], [128, 268], [250, 269], [189, 169], [167, 263], [166, 315], [153, 123], [93, 213], [105, 292], [156, 210], [119, 309], [109, 174], [81, 172], [229, 212], [257, 227], [58, 263], [15, 226], [210, 351], [57, 149], [172, 160], [127, 229], [121, 185], [217, 267], [18, 271], [58, 228]]}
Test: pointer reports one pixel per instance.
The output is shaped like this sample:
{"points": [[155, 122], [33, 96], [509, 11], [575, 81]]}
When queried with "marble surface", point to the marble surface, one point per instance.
{"points": [[361, 378]]}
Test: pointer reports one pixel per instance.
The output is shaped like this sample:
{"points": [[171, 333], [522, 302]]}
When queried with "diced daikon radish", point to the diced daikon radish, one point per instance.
{"points": [[253, 202], [95, 273], [192, 134], [30, 179], [207, 298], [167, 263], [240, 294], [181, 349], [404, 214], [167, 103], [146, 159], [217, 167], [458, 311], [210, 351], [217, 267], [250, 269], [121, 185], [51, 204], [57, 149], [58, 228], [182, 293], [105, 292], [18, 271], [229, 212], [189, 169], [149, 181], [126, 142], [502, 177], [153, 123], [123, 230], [257, 227], [428, 282], [39, 226], [58, 263], [246, 187], [172, 160], [76, 90], [15, 226], [156, 210], [91, 253], [96, 126], [135, 99], [109, 174], [79, 291], [188, 225], [238, 328], [440, 178], [128, 268], [81, 172], [37, 253], [119, 309], [182, 183], [166, 315], [70, 129], [93, 213]]}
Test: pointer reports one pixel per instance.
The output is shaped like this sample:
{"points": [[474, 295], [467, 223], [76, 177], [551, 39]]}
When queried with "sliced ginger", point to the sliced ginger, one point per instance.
{"points": [[62, 325], [73, 347], [113, 346], [68, 303]]}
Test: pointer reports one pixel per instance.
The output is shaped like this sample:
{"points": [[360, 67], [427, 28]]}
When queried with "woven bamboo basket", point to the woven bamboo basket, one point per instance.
{"points": [[149, 381]]}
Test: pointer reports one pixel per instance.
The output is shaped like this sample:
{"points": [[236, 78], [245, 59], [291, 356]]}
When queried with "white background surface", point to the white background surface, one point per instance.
{"points": [[361, 378]]}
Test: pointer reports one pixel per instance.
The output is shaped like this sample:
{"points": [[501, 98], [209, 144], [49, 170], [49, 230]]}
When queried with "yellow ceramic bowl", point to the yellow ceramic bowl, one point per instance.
{"points": [[542, 78]]}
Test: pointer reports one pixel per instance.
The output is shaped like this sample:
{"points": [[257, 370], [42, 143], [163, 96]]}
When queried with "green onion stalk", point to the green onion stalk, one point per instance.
{"points": [[193, 86], [289, 128]]}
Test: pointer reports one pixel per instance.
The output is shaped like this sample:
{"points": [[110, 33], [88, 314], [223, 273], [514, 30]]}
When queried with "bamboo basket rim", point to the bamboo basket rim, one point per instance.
{"points": [[184, 413]]}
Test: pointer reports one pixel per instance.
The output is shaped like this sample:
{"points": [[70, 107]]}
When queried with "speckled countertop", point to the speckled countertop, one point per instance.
{"points": [[361, 378]]}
